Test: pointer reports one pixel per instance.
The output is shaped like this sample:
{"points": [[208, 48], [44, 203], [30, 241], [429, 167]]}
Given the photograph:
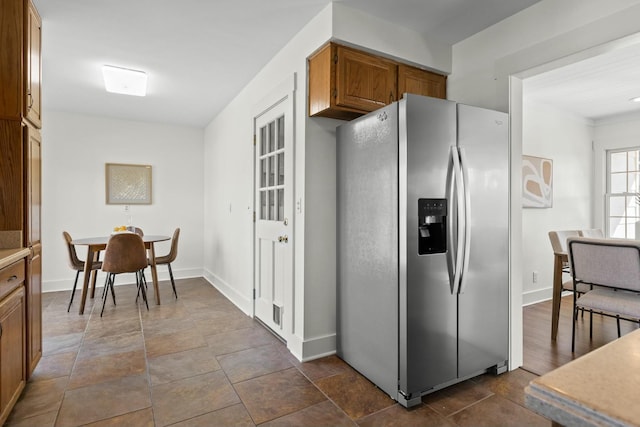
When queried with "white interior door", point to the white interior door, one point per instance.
{"points": [[273, 228]]}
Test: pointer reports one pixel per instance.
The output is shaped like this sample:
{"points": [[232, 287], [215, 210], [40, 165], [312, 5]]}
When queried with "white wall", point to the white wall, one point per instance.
{"points": [[228, 258], [618, 132], [490, 63], [566, 139], [75, 148]]}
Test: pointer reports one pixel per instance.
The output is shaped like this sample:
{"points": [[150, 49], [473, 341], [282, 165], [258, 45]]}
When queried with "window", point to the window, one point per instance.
{"points": [[623, 185]]}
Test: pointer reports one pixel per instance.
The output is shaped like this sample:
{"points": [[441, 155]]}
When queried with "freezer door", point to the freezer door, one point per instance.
{"points": [[367, 246], [428, 355], [484, 300]]}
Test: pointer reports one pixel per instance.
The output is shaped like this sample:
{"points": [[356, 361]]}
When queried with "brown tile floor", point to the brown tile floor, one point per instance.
{"points": [[199, 361]]}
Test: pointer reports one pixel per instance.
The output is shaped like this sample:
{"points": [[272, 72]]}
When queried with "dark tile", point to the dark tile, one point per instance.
{"points": [[456, 397], [61, 343], [321, 368], [142, 418], [174, 342], [185, 364], [397, 415], [225, 323], [253, 362], [54, 366], [98, 369], [166, 326], [123, 343], [48, 419], [38, 398], [509, 385], [191, 397], [100, 327], [354, 394], [232, 416], [498, 411], [320, 415], [109, 399], [275, 395], [230, 342]]}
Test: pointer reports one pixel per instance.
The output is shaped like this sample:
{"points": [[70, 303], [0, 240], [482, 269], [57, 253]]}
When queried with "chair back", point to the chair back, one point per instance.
{"points": [[74, 262], [607, 262], [594, 233], [138, 231], [559, 239], [173, 253], [125, 253]]}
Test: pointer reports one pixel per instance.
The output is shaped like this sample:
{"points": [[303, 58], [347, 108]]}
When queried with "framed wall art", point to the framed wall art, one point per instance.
{"points": [[128, 184], [537, 182]]}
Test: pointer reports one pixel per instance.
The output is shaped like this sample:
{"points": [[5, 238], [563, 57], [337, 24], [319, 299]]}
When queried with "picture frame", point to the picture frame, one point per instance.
{"points": [[128, 184], [537, 182]]}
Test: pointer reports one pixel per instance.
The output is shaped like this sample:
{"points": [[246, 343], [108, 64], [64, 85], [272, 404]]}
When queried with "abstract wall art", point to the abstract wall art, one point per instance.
{"points": [[537, 182], [128, 184]]}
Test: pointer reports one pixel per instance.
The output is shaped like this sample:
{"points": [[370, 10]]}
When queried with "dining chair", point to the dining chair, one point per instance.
{"points": [[170, 257], [614, 266], [125, 253], [76, 264], [594, 233]]}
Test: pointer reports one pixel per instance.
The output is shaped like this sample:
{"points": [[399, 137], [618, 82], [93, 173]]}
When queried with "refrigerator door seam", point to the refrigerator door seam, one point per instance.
{"points": [[467, 222]]}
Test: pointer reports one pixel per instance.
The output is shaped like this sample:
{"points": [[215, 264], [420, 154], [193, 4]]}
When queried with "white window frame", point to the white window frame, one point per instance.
{"points": [[630, 196]]}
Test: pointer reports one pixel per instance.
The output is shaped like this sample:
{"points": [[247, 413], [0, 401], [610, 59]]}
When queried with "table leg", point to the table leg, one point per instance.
{"points": [[85, 279], [557, 295], [154, 271], [94, 274]]}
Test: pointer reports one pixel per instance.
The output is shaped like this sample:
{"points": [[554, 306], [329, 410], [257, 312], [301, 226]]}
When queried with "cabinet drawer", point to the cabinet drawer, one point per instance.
{"points": [[11, 277]]}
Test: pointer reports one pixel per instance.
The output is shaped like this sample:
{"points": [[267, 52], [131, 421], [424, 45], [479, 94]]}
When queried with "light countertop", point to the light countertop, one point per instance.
{"points": [[596, 389]]}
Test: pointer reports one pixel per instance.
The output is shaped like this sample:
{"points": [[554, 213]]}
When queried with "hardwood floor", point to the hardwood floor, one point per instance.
{"points": [[199, 361], [542, 355]]}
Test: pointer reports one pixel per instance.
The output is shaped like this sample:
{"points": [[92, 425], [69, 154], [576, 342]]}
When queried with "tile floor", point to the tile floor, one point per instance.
{"points": [[199, 361]]}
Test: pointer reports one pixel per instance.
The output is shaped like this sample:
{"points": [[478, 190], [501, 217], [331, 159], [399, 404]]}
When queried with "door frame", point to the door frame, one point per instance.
{"points": [[282, 93]]}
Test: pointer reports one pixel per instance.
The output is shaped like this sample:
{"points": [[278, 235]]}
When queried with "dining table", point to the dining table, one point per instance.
{"points": [[96, 244]]}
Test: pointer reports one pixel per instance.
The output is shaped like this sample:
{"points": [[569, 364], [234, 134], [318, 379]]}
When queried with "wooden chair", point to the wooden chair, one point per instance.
{"points": [[125, 253], [76, 264], [614, 266], [170, 257]]}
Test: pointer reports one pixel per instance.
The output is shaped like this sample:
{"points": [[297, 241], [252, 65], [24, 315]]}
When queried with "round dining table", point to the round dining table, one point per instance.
{"points": [[96, 244]]}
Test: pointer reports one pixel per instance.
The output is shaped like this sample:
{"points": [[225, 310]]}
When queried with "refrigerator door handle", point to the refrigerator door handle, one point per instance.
{"points": [[467, 221], [449, 194], [460, 214]]}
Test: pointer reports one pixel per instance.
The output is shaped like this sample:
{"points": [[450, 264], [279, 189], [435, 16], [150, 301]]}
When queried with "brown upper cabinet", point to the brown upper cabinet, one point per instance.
{"points": [[345, 83], [20, 61]]}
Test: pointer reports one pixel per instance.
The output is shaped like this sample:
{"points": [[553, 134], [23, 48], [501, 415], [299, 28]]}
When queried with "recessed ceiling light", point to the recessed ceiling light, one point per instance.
{"points": [[636, 99], [124, 81]]}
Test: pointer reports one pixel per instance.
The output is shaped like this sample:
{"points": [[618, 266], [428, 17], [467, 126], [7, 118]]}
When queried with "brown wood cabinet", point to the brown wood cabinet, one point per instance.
{"points": [[345, 83], [20, 168], [20, 61], [12, 340]]}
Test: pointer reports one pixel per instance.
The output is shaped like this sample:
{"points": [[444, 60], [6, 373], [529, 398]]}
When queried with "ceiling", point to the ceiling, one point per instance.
{"points": [[595, 88], [200, 53]]}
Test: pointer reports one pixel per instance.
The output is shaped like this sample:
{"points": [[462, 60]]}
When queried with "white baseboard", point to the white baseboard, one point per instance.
{"points": [[243, 303], [312, 349], [121, 279], [538, 295]]}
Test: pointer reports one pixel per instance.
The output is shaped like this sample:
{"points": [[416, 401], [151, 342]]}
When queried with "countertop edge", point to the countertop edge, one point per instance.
{"points": [[9, 256]]}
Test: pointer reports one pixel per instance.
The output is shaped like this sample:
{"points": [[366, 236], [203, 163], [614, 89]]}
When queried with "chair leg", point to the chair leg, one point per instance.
{"points": [[105, 292], [73, 292], [173, 283], [573, 329], [113, 292], [590, 324], [141, 288], [618, 322]]}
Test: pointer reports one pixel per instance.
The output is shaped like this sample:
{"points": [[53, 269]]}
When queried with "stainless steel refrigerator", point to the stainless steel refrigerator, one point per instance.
{"points": [[422, 245]]}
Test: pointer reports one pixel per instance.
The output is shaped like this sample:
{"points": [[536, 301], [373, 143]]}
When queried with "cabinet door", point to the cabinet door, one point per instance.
{"points": [[363, 81], [12, 354], [421, 82], [33, 285], [33, 69], [32, 179]]}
